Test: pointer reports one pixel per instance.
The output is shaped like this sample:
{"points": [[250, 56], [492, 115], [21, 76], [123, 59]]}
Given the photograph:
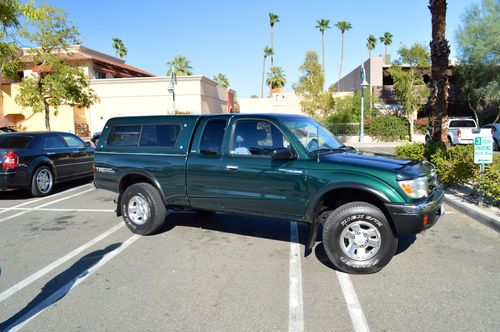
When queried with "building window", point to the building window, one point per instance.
{"points": [[99, 75]]}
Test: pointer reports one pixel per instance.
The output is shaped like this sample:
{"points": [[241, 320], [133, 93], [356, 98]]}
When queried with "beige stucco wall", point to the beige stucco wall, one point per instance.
{"points": [[63, 121], [150, 96], [374, 76], [269, 105]]}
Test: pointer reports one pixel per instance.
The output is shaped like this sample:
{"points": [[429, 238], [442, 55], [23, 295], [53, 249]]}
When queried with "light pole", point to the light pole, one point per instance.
{"points": [[171, 86], [364, 84]]}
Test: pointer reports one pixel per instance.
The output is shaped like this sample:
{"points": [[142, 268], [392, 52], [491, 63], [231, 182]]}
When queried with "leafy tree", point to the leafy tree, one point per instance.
{"points": [[181, 66], [386, 39], [478, 73], [409, 87], [221, 80], [276, 78], [254, 96], [322, 25], [268, 51], [315, 102], [120, 49], [371, 42], [55, 82], [273, 19], [437, 104], [343, 26]]}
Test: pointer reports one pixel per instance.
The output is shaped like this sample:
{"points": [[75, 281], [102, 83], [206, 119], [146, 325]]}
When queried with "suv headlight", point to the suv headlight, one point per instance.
{"points": [[415, 188]]}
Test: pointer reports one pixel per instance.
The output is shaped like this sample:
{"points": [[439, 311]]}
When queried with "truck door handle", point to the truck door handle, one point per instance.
{"points": [[50, 153], [232, 167]]}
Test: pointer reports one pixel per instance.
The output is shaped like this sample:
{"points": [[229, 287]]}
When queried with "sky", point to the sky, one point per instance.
{"points": [[228, 37]]}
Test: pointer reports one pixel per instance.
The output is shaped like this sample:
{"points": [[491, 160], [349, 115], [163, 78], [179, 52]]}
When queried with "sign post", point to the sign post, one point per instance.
{"points": [[483, 154]]}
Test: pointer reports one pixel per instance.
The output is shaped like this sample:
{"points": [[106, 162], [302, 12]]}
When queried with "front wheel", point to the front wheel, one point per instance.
{"points": [[143, 209], [495, 145], [358, 238]]}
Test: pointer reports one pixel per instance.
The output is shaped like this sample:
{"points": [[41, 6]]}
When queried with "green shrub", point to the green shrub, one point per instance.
{"points": [[387, 128], [456, 167]]}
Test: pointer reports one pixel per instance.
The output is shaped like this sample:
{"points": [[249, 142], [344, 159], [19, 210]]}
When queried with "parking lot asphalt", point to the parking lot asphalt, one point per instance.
{"points": [[69, 264]]}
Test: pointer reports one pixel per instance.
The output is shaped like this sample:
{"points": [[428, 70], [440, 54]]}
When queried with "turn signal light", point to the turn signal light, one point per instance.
{"points": [[459, 132], [426, 219]]}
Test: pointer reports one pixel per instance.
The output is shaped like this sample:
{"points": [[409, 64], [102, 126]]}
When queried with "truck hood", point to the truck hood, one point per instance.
{"points": [[404, 168]]}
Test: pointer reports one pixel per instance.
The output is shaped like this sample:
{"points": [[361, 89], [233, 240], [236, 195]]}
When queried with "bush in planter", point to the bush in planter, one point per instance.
{"points": [[387, 128]]}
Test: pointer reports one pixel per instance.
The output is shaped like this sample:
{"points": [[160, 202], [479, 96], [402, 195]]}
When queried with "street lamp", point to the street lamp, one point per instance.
{"points": [[171, 86], [364, 84]]}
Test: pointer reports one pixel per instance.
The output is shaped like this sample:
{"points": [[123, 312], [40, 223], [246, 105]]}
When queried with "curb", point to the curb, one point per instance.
{"points": [[484, 217]]}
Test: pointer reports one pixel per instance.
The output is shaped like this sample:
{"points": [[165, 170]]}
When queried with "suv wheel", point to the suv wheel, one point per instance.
{"points": [[143, 209], [495, 145], [358, 238], [42, 181]]}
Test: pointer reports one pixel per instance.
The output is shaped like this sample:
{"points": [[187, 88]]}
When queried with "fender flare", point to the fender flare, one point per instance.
{"points": [[37, 162], [313, 216], [145, 174]]}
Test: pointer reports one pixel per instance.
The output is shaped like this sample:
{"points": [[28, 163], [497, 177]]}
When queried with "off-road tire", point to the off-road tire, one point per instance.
{"points": [[372, 221], [150, 197]]}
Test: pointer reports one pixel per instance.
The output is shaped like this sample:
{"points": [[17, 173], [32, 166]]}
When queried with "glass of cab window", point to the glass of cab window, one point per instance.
{"points": [[312, 135], [256, 138]]}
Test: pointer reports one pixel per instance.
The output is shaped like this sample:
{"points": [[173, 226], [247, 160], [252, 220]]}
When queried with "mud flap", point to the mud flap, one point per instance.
{"points": [[311, 241]]}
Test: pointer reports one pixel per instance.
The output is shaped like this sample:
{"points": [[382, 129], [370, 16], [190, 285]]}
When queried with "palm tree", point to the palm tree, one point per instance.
{"points": [[343, 26], [371, 42], [439, 85], [276, 78], [273, 19], [221, 80], [322, 25], [120, 49], [268, 51], [181, 66], [386, 39]]}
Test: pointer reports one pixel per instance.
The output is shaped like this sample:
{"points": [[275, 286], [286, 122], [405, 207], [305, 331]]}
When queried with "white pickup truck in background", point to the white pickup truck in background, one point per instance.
{"points": [[460, 131]]}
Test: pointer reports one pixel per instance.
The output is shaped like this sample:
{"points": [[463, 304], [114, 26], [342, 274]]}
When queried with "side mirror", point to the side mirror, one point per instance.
{"points": [[282, 154], [87, 144]]}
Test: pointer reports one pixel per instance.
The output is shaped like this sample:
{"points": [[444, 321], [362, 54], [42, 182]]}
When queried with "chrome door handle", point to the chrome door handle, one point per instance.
{"points": [[232, 167], [50, 153]]}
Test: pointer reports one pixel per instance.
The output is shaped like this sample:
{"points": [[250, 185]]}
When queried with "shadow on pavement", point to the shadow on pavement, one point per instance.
{"points": [[57, 288], [19, 194]]}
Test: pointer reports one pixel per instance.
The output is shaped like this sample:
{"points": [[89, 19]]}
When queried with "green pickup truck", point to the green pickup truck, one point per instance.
{"points": [[268, 165]]}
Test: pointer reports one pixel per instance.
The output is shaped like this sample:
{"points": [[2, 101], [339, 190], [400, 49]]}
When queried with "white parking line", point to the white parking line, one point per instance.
{"points": [[295, 302], [60, 210], [41, 198], [46, 204], [357, 316], [61, 292], [17, 287]]}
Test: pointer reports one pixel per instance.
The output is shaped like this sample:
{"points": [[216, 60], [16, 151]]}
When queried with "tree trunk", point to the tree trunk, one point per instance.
{"points": [[341, 60], [47, 114], [437, 104], [263, 74], [272, 46], [323, 51], [411, 119]]}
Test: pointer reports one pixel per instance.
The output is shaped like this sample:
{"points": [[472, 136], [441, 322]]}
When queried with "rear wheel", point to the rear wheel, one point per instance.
{"points": [[143, 209], [495, 145], [450, 142], [358, 238], [42, 181]]}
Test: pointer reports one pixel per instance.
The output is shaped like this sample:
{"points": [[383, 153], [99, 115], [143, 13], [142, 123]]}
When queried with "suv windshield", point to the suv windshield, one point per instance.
{"points": [[312, 135]]}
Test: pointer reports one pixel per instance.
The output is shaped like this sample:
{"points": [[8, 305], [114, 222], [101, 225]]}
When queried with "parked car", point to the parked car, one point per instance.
{"points": [[35, 161], [275, 166], [7, 130], [495, 132], [95, 138], [460, 131]]}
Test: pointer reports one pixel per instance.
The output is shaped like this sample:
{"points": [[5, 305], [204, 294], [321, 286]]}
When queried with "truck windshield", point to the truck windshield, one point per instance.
{"points": [[312, 135]]}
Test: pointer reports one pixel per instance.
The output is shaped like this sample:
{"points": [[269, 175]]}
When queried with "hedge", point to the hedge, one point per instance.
{"points": [[455, 167]]}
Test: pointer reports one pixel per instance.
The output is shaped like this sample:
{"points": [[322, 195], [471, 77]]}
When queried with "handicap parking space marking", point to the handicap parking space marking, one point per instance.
{"points": [[65, 289], [39, 274], [45, 204], [3, 210]]}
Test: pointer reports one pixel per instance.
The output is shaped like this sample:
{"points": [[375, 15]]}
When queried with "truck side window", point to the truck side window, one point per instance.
{"points": [[124, 136], [257, 138], [164, 136], [211, 139]]}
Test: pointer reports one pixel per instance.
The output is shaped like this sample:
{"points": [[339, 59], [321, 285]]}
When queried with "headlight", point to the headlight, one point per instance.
{"points": [[416, 188]]}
